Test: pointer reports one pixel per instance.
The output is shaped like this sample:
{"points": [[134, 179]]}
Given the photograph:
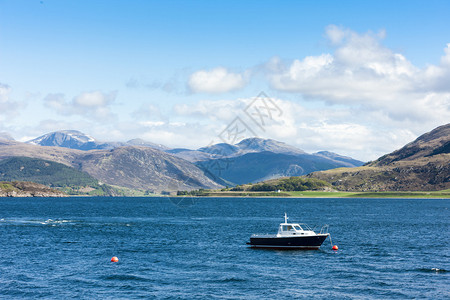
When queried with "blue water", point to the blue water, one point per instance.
{"points": [[195, 249]]}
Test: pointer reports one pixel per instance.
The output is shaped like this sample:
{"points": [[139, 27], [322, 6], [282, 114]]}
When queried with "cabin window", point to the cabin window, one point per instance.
{"points": [[297, 228], [287, 228]]}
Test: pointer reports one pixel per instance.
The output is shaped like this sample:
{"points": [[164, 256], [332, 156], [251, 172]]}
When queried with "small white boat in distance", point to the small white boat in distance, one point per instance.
{"points": [[290, 236]]}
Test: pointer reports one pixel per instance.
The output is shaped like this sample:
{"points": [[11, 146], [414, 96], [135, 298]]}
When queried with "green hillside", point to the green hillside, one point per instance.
{"points": [[51, 174], [44, 172]]}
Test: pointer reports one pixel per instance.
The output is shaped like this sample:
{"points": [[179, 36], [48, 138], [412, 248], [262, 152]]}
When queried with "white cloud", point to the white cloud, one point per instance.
{"points": [[364, 74], [361, 70], [148, 111], [4, 92], [357, 132], [93, 99], [94, 105], [217, 110], [218, 80], [174, 84]]}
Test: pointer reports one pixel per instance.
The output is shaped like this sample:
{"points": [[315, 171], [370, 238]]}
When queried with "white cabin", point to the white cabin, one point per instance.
{"points": [[293, 229]]}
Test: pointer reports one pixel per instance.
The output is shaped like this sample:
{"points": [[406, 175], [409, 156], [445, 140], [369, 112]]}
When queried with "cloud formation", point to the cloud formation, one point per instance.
{"points": [[218, 80], [341, 130], [8, 106], [95, 105], [362, 71]]}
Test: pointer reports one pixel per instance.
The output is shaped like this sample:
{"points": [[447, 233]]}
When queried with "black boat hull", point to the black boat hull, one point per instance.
{"points": [[295, 242]]}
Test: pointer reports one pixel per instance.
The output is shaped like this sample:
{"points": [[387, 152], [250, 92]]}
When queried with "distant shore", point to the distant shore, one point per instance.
{"points": [[323, 194]]}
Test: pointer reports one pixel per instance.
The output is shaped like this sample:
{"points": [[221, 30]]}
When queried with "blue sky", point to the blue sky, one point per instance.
{"points": [[360, 78]]}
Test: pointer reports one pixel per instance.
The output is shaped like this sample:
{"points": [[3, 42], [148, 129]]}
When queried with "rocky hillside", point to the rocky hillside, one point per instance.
{"points": [[144, 168], [44, 172], [54, 175], [428, 146], [57, 154], [27, 189], [423, 164]]}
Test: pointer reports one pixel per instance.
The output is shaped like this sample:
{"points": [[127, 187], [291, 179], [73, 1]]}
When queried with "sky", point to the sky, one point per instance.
{"points": [[359, 78]]}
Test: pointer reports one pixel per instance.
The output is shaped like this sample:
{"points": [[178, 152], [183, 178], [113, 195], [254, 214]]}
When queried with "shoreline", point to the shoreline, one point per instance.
{"points": [[444, 194]]}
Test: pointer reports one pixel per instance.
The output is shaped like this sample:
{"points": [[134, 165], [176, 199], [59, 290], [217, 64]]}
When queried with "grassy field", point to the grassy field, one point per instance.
{"points": [[313, 194], [434, 194]]}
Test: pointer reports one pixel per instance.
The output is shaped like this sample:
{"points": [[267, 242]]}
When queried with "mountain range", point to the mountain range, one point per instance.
{"points": [[75, 139], [142, 165], [142, 168], [255, 159]]}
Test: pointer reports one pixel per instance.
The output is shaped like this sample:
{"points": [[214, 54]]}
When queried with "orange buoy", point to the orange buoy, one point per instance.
{"points": [[335, 247], [114, 259]]}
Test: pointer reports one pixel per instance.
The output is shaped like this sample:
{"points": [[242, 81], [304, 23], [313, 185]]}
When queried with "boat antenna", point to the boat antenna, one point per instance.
{"points": [[285, 218]]}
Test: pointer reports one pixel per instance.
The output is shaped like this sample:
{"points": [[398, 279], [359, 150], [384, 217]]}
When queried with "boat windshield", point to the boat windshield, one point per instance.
{"points": [[291, 228], [305, 227], [288, 228]]}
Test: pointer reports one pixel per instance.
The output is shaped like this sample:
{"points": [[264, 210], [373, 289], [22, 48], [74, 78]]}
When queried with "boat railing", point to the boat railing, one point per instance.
{"points": [[324, 229]]}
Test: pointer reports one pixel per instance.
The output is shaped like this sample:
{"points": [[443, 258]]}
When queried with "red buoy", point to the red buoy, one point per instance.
{"points": [[114, 259], [335, 247]]}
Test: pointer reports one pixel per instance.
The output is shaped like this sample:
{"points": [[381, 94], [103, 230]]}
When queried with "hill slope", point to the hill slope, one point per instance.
{"points": [[43, 172], [53, 174], [144, 168], [425, 146], [423, 164]]}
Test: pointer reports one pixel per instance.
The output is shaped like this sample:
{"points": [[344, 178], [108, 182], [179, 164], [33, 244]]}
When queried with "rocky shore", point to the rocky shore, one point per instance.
{"points": [[27, 189]]}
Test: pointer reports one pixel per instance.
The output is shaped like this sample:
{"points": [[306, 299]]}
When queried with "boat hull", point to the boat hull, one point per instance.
{"points": [[295, 242]]}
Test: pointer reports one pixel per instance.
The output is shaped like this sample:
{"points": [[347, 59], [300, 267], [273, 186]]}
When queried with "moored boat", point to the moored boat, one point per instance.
{"points": [[290, 236]]}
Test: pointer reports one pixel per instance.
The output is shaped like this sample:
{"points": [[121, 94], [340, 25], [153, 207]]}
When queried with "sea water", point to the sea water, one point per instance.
{"points": [[186, 248]]}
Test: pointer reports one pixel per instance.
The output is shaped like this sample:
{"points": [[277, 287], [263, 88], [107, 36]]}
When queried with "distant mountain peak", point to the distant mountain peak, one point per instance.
{"points": [[221, 149], [144, 143], [249, 145], [73, 139], [260, 145]]}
